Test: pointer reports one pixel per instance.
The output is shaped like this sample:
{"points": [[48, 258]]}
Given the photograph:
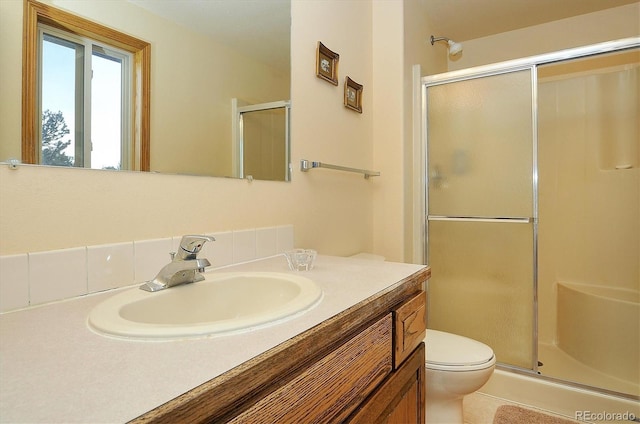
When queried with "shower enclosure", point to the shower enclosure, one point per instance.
{"points": [[261, 140], [533, 212]]}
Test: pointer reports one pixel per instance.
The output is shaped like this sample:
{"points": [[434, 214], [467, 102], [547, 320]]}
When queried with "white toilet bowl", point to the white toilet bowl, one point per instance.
{"points": [[455, 367]]}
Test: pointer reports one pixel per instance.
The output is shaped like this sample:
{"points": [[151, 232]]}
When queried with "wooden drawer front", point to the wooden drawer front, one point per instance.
{"points": [[410, 321], [333, 387], [400, 398]]}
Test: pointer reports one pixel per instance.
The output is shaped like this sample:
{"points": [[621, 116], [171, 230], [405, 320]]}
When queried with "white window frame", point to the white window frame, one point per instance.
{"points": [[90, 46]]}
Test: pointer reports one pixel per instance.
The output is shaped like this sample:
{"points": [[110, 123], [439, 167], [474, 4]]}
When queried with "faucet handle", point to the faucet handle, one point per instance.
{"points": [[191, 245]]}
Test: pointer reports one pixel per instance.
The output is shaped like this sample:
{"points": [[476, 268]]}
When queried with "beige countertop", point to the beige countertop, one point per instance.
{"points": [[53, 368]]}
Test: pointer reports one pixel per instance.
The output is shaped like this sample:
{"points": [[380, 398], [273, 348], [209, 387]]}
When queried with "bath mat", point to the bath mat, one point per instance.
{"points": [[507, 414]]}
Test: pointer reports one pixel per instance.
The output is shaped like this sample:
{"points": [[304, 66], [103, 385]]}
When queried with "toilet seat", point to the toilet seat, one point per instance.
{"points": [[451, 352]]}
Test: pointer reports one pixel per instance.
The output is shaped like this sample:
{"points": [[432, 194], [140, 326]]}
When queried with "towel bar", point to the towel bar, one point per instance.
{"points": [[306, 165]]}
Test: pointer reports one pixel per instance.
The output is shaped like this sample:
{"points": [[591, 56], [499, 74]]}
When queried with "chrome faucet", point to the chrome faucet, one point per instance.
{"points": [[185, 266]]}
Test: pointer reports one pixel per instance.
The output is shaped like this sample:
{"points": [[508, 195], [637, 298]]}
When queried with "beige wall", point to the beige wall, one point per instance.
{"points": [[45, 208], [388, 134], [606, 25], [399, 207], [10, 78]]}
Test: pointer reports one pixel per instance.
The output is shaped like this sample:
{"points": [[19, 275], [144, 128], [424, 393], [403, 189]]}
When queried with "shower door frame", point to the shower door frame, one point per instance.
{"points": [[528, 63]]}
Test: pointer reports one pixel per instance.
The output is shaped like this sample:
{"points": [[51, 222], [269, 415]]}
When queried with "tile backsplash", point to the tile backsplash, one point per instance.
{"points": [[34, 278]]}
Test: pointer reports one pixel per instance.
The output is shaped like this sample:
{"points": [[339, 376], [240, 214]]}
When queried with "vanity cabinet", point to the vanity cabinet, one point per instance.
{"points": [[364, 365], [401, 398]]}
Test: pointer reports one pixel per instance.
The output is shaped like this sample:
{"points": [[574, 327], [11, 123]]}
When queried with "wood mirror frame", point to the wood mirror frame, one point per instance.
{"points": [[35, 12]]}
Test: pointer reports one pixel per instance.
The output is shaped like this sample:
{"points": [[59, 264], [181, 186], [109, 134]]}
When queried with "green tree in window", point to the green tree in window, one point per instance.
{"points": [[54, 129]]}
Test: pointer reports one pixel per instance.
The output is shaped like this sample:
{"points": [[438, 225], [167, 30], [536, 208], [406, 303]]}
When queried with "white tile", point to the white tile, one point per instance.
{"points": [[219, 252], [14, 282], [150, 257], [266, 242], [285, 238], [244, 245], [110, 266], [57, 274]]}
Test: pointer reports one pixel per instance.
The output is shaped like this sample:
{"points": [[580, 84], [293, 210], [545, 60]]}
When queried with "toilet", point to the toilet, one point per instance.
{"points": [[455, 367]]}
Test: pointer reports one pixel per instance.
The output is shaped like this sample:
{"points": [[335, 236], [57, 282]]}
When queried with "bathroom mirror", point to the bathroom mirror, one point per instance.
{"points": [[205, 55]]}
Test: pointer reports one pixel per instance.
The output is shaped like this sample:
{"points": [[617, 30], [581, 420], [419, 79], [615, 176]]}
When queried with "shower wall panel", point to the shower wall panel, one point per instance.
{"points": [[589, 228]]}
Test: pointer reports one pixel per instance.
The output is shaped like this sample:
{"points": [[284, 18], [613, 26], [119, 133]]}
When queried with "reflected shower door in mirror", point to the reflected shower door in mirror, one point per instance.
{"points": [[203, 54], [262, 135]]}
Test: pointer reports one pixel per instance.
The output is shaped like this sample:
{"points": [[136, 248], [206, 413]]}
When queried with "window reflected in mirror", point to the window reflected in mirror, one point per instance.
{"points": [[83, 102]]}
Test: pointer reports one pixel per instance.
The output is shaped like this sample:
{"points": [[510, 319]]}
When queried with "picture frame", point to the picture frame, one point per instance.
{"points": [[353, 95], [327, 64]]}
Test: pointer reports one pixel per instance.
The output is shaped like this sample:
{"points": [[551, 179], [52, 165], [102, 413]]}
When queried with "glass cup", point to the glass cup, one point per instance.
{"points": [[301, 259]]}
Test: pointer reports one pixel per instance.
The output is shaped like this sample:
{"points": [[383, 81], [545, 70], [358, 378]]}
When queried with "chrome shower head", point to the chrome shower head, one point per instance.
{"points": [[454, 48]]}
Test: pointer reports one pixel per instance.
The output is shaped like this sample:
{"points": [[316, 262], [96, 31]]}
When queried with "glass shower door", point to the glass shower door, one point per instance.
{"points": [[264, 138], [481, 212]]}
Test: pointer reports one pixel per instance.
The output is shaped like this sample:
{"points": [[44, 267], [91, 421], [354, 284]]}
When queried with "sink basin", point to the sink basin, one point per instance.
{"points": [[224, 303]]}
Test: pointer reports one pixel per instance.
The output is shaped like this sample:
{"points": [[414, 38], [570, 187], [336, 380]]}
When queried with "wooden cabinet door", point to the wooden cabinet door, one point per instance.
{"points": [[400, 399], [408, 409]]}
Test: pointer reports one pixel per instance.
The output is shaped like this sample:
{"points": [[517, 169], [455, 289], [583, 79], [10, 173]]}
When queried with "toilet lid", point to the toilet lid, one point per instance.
{"points": [[453, 350]]}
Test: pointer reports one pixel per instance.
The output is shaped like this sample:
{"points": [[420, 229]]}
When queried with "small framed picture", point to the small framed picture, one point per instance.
{"points": [[353, 95], [327, 64]]}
